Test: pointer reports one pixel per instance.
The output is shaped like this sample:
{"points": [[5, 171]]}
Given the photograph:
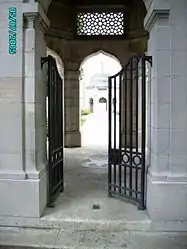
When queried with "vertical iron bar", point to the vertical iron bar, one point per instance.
{"points": [[120, 133], [52, 125], [115, 134], [131, 125], [59, 129], [61, 134], [137, 111], [58, 124], [58, 106], [142, 198], [55, 123], [109, 134], [125, 106]]}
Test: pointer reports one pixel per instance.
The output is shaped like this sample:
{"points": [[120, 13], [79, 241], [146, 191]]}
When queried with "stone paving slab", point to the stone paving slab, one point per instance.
{"points": [[15, 238]]}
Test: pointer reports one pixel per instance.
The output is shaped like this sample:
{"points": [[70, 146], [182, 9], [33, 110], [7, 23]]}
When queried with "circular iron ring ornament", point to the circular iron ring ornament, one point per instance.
{"points": [[125, 157], [137, 160]]}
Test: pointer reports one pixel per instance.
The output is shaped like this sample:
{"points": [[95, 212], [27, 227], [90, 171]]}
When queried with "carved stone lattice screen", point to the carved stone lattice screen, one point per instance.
{"points": [[100, 23]]}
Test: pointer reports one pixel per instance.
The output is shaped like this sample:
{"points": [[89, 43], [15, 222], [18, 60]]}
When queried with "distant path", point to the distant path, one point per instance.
{"points": [[95, 130]]}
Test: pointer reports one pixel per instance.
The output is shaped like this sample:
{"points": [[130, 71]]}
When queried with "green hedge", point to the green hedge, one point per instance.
{"points": [[86, 112]]}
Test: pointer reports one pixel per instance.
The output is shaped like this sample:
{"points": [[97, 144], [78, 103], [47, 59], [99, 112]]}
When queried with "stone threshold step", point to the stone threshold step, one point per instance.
{"points": [[91, 224], [20, 238]]}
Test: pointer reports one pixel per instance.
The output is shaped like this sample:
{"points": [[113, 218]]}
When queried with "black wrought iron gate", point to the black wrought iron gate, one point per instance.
{"points": [[55, 129], [127, 132]]}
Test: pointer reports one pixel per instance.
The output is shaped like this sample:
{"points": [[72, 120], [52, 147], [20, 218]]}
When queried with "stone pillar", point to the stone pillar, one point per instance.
{"points": [[23, 180], [71, 109], [167, 174]]}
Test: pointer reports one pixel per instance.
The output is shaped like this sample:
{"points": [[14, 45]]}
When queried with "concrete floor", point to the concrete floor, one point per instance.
{"points": [[86, 179]]}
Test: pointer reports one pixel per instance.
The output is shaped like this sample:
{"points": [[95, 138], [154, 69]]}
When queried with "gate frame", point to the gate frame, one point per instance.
{"points": [[115, 157], [54, 190]]}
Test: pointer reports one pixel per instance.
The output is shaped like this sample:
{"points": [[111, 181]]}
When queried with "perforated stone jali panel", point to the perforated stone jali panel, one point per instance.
{"points": [[100, 23]]}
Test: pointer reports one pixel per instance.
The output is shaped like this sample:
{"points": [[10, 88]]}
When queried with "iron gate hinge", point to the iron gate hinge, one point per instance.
{"points": [[149, 59], [43, 61]]}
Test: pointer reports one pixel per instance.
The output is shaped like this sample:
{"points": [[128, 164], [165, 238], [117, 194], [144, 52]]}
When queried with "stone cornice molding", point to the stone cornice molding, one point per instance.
{"points": [[158, 10], [34, 12]]}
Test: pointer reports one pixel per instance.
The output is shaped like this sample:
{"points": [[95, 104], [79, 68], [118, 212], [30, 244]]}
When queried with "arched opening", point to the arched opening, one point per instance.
{"points": [[102, 100], [87, 55], [103, 103], [94, 72], [100, 52]]}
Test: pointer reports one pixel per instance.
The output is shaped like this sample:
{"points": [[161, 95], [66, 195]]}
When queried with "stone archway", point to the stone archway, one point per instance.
{"points": [[91, 53], [96, 68]]}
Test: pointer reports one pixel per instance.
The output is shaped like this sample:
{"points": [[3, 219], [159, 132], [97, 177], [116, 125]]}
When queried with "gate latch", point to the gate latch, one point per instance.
{"points": [[115, 156]]}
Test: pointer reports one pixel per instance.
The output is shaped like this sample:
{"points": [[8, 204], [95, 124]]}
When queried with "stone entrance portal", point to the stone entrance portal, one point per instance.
{"points": [[124, 29]]}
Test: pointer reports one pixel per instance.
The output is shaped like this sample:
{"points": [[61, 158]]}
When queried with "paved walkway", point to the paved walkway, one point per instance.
{"points": [[94, 131]]}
